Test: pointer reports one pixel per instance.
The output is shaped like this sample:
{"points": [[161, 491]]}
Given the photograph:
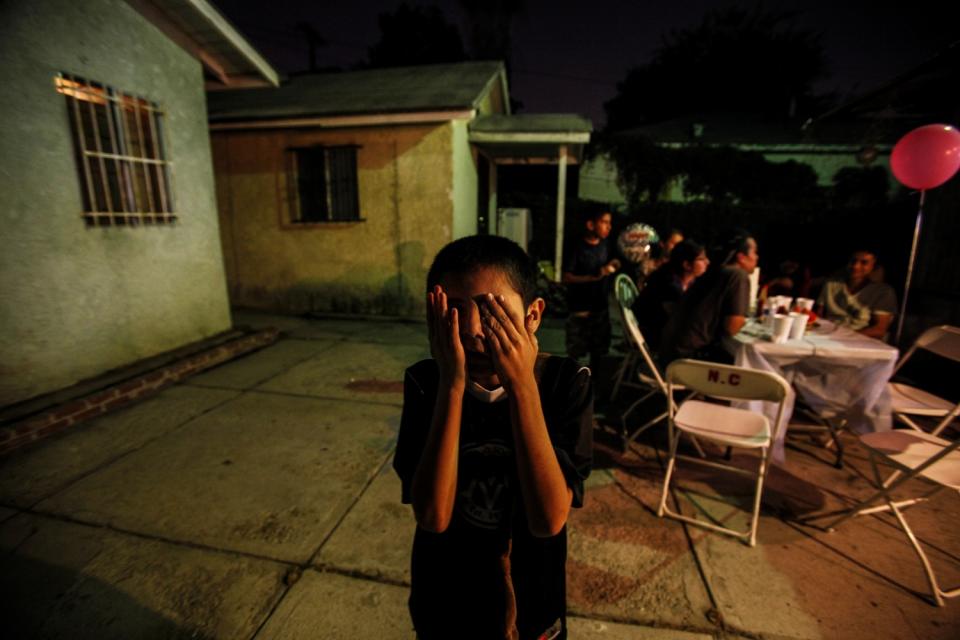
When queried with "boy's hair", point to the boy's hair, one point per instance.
{"points": [[595, 213], [477, 252], [736, 242], [865, 249], [686, 251]]}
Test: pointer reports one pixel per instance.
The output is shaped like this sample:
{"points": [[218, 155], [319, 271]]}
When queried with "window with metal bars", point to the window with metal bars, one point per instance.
{"points": [[118, 140], [323, 184]]}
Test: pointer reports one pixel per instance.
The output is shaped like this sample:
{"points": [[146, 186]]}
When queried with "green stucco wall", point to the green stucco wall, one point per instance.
{"points": [[598, 176], [76, 300], [464, 182], [375, 266]]}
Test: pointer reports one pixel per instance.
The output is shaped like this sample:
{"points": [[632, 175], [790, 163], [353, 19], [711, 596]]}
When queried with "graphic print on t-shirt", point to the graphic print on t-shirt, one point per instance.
{"points": [[485, 496]]}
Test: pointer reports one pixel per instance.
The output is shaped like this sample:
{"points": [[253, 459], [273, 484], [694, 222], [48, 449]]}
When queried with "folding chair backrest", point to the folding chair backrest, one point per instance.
{"points": [[636, 339], [729, 382], [943, 341], [625, 290]]}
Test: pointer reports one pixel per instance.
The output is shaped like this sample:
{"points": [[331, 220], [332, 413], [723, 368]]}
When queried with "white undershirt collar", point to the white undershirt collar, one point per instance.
{"points": [[486, 395]]}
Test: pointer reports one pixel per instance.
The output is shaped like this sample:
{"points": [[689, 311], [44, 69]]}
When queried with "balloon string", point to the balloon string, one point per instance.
{"points": [[913, 256]]}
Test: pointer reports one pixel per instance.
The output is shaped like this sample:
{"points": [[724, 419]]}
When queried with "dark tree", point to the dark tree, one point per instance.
{"points": [[415, 35], [736, 60], [488, 28]]}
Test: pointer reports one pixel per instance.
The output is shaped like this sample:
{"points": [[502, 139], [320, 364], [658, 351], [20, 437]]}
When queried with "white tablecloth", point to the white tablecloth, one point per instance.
{"points": [[836, 371]]}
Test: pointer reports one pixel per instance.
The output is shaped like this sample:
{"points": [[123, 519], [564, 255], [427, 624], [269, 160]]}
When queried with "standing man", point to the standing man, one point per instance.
{"points": [[585, 272], [715, 306]]}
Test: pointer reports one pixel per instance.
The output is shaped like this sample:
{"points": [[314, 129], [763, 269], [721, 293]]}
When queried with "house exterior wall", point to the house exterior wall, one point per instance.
{"points": [[79, 300], [465, 197], [408, 204], [598, 176]]}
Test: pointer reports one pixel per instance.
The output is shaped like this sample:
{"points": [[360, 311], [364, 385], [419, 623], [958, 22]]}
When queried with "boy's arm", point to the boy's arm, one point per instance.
{"points": [[434, 484], [546, 496], [879, 325], [435, 480], [571, 278]]}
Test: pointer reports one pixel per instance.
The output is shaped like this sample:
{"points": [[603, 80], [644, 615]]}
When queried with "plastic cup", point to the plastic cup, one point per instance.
{"points": [[780, 302], [781, 328], [799, 325], [805, 304]]}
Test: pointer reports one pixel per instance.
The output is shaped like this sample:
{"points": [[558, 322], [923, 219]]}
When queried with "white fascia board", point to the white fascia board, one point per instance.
{"points": [[218, 22], [339, 122], [542, 138]]}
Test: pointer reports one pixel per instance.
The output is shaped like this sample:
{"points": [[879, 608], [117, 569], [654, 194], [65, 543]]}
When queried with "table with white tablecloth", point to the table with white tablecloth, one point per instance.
{"points": [[837, 372]]}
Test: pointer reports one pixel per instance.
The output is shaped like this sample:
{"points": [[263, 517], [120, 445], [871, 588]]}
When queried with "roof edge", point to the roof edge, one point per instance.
{"points": [[160, 13]]}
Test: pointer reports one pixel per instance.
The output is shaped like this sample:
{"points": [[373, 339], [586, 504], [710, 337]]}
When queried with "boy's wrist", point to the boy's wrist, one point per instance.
{"points": [[456, 387], [524, 388]]}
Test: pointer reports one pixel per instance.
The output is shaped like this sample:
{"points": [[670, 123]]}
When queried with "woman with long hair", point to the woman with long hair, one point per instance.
{"points": [[665, 286]]}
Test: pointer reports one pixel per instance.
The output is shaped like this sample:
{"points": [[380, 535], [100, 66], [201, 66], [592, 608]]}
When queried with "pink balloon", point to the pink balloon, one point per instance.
{"points": [[926, 157]]}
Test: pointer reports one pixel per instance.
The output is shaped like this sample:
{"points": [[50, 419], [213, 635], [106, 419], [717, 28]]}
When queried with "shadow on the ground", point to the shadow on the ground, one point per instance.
{"points": [[42, 600]]}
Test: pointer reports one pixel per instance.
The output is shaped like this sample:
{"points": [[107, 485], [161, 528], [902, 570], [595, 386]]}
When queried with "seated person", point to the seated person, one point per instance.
{"points": [[665, 286], [791, 279], [715, 306], [856, 301], [659, 254]]}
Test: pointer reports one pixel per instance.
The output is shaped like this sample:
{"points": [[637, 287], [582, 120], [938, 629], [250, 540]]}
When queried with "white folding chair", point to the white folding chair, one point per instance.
{"points": [[724, 425], [907, 400], [914, 454], [625, 291], [648, 379]]}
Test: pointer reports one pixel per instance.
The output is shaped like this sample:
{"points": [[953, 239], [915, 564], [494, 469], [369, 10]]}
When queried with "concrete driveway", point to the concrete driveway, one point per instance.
{"points": [[256, 500]]}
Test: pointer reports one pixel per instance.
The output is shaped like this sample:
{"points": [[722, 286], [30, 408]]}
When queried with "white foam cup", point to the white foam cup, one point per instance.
{"points": [[806, 304], [799, 325], [781, 328]]}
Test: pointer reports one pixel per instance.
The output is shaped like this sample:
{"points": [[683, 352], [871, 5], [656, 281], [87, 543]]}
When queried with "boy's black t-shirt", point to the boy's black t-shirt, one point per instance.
{"points": [[586, 260], [487, 570]]}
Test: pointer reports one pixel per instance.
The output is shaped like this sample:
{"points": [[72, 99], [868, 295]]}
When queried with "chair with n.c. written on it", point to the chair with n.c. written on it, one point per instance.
{"points": [[724, 425]]}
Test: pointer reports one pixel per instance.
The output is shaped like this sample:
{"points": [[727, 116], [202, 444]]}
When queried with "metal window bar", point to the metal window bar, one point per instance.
{"points": [[90, 202], [142, 148], [330, 212], [95, 128], [115, 144], [343, 186], [119, 163], [132, 165], [157, 171]]}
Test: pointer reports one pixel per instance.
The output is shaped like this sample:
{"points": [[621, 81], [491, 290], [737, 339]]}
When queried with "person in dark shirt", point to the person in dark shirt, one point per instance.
{"points": [[495, 443], [715, 306], [665, 286], [585, 273]]}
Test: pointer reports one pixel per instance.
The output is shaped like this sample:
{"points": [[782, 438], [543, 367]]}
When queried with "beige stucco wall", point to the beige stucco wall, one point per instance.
{"points": [[408, 202], [77, 301]]}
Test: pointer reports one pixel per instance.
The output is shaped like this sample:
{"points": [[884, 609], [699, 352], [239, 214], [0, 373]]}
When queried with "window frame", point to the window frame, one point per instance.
{"points": [[121, 155], [294, 217]]}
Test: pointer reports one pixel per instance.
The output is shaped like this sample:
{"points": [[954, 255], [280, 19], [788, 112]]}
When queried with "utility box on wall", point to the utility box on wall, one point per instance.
{"points": [[516, 225]]}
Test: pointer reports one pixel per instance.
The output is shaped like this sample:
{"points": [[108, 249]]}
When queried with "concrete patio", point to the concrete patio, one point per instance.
{"points": [[256, 500]]}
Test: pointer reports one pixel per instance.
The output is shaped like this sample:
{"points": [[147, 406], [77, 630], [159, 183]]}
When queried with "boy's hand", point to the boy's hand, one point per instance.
{"points": [[443, 327], [610, 268], [513, 343]]}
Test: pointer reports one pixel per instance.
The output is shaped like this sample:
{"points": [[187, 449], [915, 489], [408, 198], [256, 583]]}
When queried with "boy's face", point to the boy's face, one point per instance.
{"points": [[465, 292], [748, 260], [861, 265], [601, 226]]}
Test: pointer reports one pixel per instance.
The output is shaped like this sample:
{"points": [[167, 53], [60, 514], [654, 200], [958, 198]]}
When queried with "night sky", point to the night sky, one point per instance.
{"points": [[568, 57]]}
